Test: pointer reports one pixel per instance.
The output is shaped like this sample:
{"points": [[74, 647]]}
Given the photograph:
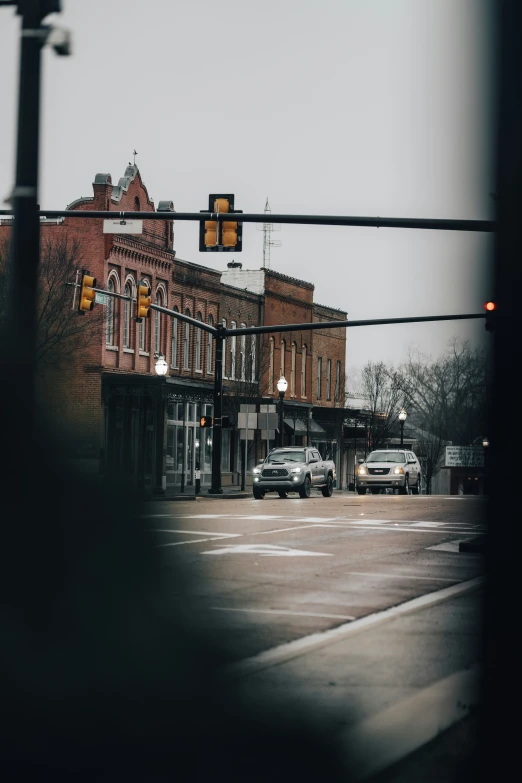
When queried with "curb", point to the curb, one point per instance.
{"points": [[187, 496]]}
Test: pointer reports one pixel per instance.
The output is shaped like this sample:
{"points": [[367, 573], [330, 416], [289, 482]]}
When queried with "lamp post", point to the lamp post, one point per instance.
{"points": [[485, 444], [282, 386], [402, 419], [160, 480]]}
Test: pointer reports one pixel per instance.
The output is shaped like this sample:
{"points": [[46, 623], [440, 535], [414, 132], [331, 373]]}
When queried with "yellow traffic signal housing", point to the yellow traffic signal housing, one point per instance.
{"points": [[219, 236], [229, 234], [87, 293], [210, 234], [206, 421], [143, 304]]}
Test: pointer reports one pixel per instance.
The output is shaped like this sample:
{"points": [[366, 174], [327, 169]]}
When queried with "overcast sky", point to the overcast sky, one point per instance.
{"points": [[347, 107]]}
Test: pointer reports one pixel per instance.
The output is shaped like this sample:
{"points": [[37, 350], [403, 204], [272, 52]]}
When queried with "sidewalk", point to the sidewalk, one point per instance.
{"points": [[229, 493]]}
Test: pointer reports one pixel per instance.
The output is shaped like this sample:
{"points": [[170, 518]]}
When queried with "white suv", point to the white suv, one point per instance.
{"points": [[389, 468]]}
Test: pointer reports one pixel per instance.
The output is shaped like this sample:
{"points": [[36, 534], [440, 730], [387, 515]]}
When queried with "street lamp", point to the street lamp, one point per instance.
{"points": [[161, 365], [282, 386], [485, 442], [402, 419]]}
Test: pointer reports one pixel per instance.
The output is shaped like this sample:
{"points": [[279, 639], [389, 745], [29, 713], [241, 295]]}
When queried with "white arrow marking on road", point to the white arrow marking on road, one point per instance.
{"points": [[265, 550]]}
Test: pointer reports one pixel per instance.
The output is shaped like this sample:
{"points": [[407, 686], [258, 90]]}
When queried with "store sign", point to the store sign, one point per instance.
{"points": [[464, 457]]}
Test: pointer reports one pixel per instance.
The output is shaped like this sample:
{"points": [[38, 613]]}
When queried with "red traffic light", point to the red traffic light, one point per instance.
{"points": [[490, 308]]}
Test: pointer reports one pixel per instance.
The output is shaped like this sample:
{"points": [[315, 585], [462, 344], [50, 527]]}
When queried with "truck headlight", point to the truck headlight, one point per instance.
{"points": [[398, 470], [295, 470], [361, 471], [256, 470]]}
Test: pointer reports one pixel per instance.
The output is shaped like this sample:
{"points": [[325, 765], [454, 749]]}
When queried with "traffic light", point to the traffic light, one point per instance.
{"points": [[490, 308], [216, 236], [143, 304], [206, 421], [87, 293]]}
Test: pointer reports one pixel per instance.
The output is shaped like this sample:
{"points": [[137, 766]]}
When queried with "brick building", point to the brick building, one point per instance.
{"points": [[119, 418]]}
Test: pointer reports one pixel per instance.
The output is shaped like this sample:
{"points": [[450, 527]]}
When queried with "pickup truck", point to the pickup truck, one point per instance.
{"points": [[293, 469]]}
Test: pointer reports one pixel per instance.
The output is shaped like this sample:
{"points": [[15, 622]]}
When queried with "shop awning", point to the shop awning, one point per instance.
{"points": [[300, 426]]}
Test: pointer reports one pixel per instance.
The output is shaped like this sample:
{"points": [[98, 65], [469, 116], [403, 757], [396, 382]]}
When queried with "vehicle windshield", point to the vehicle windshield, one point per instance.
{"points": [[386, 456], [286, 456]]}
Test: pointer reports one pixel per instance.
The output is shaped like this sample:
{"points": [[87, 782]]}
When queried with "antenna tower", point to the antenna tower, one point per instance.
{"points": [[267, 241]]}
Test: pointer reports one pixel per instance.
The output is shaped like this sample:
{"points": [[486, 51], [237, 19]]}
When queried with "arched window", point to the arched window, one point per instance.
{"points": [[198, 345], [186, 344], [271, 346], [157, 322], [292, 370], [109, 314], [224, 355], [303, 371], [209, 346], [136, 204], [328, 379], [242, 355], [252, 357], [233, 352], [143, 334], [282, 358], [127, 315], [174, 342]]}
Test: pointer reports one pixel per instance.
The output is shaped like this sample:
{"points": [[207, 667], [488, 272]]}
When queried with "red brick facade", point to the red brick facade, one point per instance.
{"points": [[126, 349]]}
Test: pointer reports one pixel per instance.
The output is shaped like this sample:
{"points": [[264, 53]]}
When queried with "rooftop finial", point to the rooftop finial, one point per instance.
{"points": [[135, 153]]}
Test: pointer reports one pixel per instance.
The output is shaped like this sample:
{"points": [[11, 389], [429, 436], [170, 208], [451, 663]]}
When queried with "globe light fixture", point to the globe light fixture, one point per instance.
{"points": [[402, 419], [282, 386], [161, 365], [485, 442]]}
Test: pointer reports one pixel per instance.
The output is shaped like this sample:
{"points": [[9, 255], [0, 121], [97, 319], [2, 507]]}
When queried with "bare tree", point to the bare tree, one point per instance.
{"points": [[447, 400], [383, 390], [60, 332], [449, 396]]}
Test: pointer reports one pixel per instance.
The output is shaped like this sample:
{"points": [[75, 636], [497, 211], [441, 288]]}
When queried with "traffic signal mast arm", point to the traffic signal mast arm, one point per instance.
{"points": [[221, 330], [441, 224]]}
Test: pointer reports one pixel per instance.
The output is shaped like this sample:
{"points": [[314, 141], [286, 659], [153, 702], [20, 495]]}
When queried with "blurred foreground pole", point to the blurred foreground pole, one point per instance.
{"points": [[501, 732], [19, 336]]}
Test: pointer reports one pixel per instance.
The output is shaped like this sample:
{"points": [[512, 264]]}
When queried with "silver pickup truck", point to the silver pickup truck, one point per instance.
{"points": [[293, 469]]}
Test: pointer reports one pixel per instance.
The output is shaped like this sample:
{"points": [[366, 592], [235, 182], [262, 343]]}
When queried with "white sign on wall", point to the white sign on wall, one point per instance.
{"points": [[464, 456], [123, 226]]}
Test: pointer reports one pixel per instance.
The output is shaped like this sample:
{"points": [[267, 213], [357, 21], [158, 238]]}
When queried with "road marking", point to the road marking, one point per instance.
{"points": [[290, 650], [452, 546], [265, 550], [198, 533], [381, 740], [283, 611], [403, 576], [428, 524], [219, 537]]}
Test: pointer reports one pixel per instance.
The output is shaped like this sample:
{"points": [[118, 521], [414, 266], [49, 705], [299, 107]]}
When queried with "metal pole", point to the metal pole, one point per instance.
{"points": [[25, 244], [216, 488], [185, 444], [281, 397], [402, 432], [355, 455], [267, 433]]}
